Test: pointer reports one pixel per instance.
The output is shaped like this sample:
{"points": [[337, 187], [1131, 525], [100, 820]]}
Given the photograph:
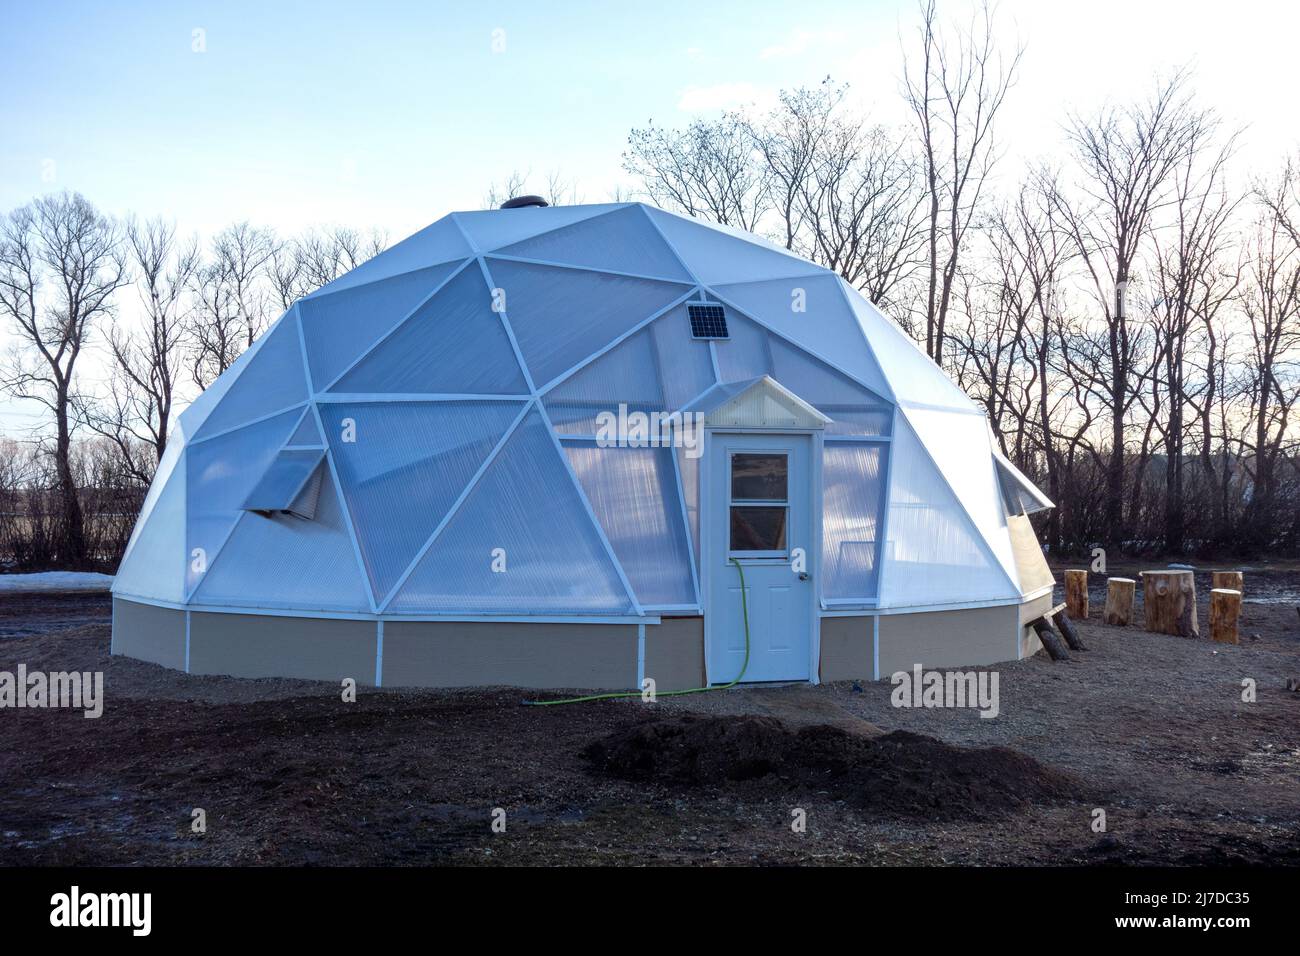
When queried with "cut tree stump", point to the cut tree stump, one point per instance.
{"points": [[1169, 603], [1050, 639], [1225, 609], [1119, 601], [1076, 594], [1231, 580]]}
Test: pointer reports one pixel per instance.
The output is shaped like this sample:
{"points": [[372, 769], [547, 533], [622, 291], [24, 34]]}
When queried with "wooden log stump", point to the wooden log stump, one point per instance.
{"points": [[1119, 601], [1062, 622], [1076, 594], [1051, 640], [1225, 609], [1169, 603], [1230, 580]]}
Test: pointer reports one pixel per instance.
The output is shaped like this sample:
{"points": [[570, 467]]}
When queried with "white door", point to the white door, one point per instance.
{"points": [[759, 511]]}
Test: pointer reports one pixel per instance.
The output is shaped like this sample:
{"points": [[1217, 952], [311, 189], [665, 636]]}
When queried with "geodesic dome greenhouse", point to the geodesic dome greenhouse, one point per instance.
{"points": [[407, 478]]}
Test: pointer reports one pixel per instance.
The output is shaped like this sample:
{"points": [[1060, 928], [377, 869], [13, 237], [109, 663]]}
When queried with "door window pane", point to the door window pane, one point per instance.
{"points": [[759, 477], [758, 528]]}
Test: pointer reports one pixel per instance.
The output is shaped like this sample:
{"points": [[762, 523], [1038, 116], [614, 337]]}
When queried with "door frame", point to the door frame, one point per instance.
{"points": [[814, 436]]}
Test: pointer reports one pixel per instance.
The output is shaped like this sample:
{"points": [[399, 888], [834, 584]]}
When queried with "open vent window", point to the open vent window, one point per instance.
{"points": [[290, 485], [708, 320]]}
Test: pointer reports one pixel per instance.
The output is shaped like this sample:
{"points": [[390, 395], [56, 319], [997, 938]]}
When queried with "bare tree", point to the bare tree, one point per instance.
{"points": [[231, 299], [61, 261], [1126, 162], [955, 89], [135, 415], [710, 170]]}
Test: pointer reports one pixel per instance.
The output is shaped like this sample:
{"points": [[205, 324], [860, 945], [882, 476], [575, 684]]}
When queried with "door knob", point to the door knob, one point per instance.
{"points": [[803, 575]]}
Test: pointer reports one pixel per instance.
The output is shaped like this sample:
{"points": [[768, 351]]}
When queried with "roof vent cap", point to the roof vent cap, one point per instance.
{"points": [[519, 202]]}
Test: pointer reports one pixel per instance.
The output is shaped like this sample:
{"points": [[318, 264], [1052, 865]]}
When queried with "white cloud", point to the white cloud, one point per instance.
{"points": [[797, 44], [722, 96]]}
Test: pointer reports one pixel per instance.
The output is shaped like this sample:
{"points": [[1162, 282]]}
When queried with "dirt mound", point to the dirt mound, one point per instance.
{"points": [[899, 773]]}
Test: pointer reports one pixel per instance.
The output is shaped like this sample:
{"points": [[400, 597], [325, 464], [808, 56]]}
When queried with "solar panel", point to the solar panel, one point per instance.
{"points": [[708, 321]]}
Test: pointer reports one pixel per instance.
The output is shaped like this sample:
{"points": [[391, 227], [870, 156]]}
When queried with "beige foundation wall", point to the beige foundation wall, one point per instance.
{"points": [[248, 645], [964, 638], [475, 654], [149, 633], [848, 648], [1031, 611], [674, 653]]}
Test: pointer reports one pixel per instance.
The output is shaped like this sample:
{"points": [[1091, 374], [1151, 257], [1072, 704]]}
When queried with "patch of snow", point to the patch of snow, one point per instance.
{"points": [[56, 581]]}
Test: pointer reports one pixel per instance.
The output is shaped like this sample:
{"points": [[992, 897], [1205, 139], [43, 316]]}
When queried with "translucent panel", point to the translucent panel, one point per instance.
{"points": [[745, 356], [220, 473], [622, 241], [561, 317], [453, 344], [853, 481], [1019, 494], [524, 516], [685, 365], [853, 409], [689, 468], [623, 375], [719, 254], [285, 562], [634, 494], [441, 242], [307, 433], [339, 327], [826, 326], [913, 377], [286, 477], [933, 555], [407, 464], [161, 477], [155, 562], [272, 380], [493, 228], [961, 448]]}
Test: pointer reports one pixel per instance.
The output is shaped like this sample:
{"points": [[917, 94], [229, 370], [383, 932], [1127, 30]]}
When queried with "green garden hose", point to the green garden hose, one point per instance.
{"points": [[623, 695]]}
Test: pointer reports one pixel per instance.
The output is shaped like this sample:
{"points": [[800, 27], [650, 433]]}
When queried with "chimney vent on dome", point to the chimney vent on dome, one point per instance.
{"points": [[519, 202]]}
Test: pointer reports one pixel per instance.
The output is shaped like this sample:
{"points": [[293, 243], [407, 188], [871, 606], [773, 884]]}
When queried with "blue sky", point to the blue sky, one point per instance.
{"points": [[391, 114]]}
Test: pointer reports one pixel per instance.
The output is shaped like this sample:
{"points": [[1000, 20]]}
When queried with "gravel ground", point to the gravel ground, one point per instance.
{"points": [[1151, 728]]}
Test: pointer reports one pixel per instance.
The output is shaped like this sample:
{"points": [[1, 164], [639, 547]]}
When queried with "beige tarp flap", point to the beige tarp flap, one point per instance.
{"points": [[1031, 567]]}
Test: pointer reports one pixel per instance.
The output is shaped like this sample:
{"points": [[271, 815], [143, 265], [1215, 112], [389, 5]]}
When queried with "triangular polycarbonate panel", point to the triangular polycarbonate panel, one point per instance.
{"points": [[560, 317], [745, 354], [811, 312], [219, 475], [620, 241], [933, 553], [283, 561], [625, 375], [435, 244], [402, 465], [715, 254], [633, 492], [155, 562], [338, 328], [453, 344], [493, 228], [912, 375], [853, 481], [307, 432], [273, 380], [961, 448], [521, 543], [684, 363], [853, 410], [161, 479]]}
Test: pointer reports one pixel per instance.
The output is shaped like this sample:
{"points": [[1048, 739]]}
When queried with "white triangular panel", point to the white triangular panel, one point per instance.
{"points": [[155, 561], [719, 254], [912, 376], [441, 242], [933, 554], [811, 312], [493, 228]]}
